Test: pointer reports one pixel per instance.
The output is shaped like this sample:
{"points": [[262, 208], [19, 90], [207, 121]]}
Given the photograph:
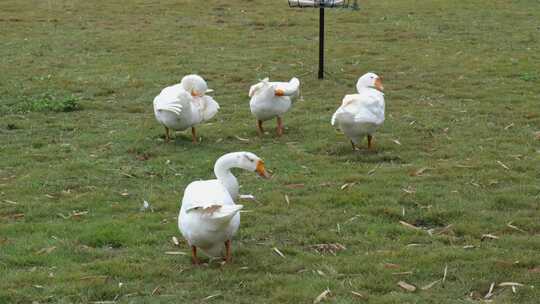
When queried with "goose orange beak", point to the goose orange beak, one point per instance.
{"points": [[195, 94], [261, 170], [378, 84], [279, 92]]}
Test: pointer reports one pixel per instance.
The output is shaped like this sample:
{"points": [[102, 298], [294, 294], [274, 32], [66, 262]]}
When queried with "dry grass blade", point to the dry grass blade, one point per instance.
{"points": [[175, 241], [63, 216], [409, 190], [428, 286], [537, 135], [406, 286], [295, 186], [468, 246], [332, 248], [10, 202], [287, 200], [156, 291], [504, 284], [396, 142], [503, 165], [489, 294], [92, 278], [402, 273], [323, 296], [346, 185], [127, 175], [409, 225], [445, 229], [418, 172], [79, 213], [46, 250], [278, 252], [175, 253], [212, 296], [241, 139], [445, 273], [515, 227], [355, 293], [489, 236], [390, 266], [509, 126]]}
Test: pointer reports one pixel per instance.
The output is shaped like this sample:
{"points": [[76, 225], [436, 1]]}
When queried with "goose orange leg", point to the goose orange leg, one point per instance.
{"points": [[279, 126], [194, 258], [369, 144], [228, 255], [167, 135], [193, 135], [260, 127]]}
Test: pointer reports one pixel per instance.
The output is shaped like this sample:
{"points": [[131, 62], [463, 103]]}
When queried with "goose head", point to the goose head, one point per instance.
{"points": [[195, 85], [251, 162], [370, 80]]}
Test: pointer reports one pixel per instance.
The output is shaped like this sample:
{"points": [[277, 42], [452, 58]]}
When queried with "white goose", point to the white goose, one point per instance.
{"points": [[363, 113], [209, 217], [272, 99], [185, 105]]}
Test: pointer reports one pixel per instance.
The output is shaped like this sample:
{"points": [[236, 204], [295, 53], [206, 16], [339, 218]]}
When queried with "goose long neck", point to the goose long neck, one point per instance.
{"points": [[222, 170]]}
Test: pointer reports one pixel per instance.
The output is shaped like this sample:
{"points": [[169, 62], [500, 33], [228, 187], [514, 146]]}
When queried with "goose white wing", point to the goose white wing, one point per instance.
{"points": [[173, 99], [208, 216], [210, 107], [205, 193], [254, 88], [365, 106]]}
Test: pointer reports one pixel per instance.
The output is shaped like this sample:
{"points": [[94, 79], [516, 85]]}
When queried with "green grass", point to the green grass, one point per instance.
{"points": [[46, 102], [462, 93]]}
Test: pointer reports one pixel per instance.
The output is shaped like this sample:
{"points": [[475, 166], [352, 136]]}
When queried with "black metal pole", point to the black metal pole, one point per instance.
{"points": [[321, 42]]}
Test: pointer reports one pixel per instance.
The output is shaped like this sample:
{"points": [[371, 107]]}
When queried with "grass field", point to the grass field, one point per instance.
{"points": [[458, 157]]}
